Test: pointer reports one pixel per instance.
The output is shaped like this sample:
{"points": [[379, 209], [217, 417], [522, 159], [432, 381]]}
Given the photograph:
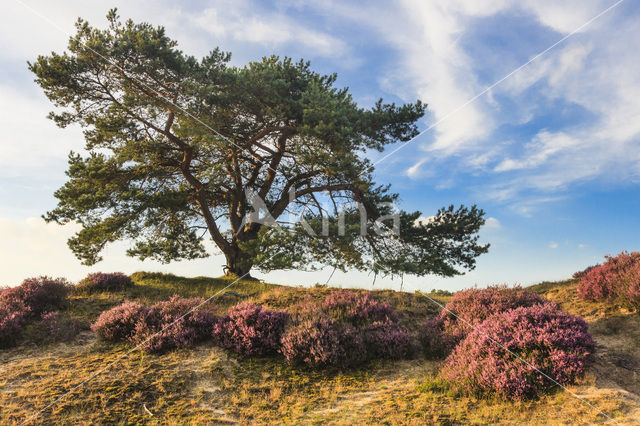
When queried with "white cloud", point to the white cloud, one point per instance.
{"points": [[594, 70], [600, 80], [543, 146], [29, 142], [414, 170], [565, 16], [492, 223], [437, 70], [242, 21], [553, 245]]}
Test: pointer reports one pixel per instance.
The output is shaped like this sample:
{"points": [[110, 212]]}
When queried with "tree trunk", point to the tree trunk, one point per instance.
{"points": [[238, 264]]}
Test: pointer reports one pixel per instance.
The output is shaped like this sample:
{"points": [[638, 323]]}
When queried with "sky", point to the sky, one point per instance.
{"points": [[533, 115]]}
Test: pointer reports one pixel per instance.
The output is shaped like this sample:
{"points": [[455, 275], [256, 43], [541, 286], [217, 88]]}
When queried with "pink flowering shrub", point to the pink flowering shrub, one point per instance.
{"points": [[250, 329], [388, 340], [555, 342], [357, 308], [119, 323], [12, 320], [436, 343], [347, 328], [100, 281], [629, 287], [617, 279], [38, 295], [175, 323], [471, 307], [584, 272], [322, 342], [56, 327]]}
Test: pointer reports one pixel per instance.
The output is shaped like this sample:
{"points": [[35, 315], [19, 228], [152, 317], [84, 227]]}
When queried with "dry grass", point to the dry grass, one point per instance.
{"points": [[206, 386]]}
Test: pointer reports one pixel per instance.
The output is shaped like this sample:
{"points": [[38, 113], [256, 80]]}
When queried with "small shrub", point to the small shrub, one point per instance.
{"points": [[357, 308], [100, 281], [119, 323], [439, 292], [388, 340], [38, 295], [584, 272], [171, 324], [436, 343], [629, 292], [56, 327], [617, 279], [250, 329], [12, 320], [553, 341], [469, 308], [322, 342], [347, 328]]}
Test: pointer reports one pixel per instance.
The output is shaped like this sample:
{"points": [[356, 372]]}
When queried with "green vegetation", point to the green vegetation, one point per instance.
{"points": [[181, 148], [209, 385]]}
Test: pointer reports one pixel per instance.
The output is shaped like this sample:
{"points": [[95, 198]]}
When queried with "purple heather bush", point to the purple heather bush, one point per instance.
{"points": [[357, 308], [347, 328], [584, 272], [322, 342], [38, 295], [388, 340], [100, 281], [471, 307], [119, 323], [250, 329], [12, 320], [617, 279], [175, 323], [555, 342], [56, 327]]}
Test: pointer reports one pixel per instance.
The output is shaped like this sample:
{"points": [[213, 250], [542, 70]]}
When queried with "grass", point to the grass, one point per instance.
{"points": [[208, 385]]}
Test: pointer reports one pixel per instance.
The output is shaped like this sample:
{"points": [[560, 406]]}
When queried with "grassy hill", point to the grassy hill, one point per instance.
{"points": [[208, 385]]}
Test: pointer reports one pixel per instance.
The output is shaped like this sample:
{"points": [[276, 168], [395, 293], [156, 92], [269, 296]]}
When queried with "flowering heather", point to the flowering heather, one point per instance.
{"points": [[357, 308], [553, 341], [250, 329], [471, 307], [436, 343], [167, 327], [584, 272], [120, 322], [618, 278], [38, 295], [348, 327], [388, 340], [322, 342], [56, 327], [100, 281], [12, 321], [629, 287]]}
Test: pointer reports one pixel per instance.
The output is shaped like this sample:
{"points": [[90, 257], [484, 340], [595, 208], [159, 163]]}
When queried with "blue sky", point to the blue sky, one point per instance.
{"points": [[552, 153]]}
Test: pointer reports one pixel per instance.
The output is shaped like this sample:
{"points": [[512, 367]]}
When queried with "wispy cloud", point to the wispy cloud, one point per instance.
{"points": [[592, 72], [246, 21], [492, 223]]}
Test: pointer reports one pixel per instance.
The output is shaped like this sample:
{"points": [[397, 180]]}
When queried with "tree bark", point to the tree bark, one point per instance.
{"points": [[238, 264]]}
